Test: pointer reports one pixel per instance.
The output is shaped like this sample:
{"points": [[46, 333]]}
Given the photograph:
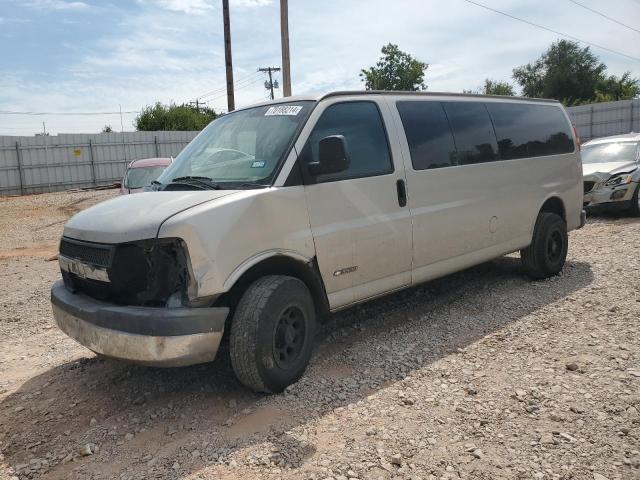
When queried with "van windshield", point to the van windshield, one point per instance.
{"points": [[240, 148], [609, 152]]}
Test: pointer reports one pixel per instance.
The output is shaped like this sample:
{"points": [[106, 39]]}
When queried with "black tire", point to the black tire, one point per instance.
{"points": [[634, 209], [272, 333], [547, 253]]}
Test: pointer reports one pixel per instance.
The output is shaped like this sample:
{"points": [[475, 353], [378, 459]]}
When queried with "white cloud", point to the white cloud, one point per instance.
{"points": [[251, 3], [55, 5], [200, 7], [183, 6]]}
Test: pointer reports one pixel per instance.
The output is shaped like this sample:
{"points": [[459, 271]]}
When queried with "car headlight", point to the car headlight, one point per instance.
{"points": [[620, 179]]}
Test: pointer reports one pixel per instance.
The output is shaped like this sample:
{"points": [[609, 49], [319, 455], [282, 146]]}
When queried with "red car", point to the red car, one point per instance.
{"points": [[140, 174]]}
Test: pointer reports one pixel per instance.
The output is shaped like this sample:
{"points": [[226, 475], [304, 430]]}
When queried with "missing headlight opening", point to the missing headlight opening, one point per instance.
{"points": [[152, 273]]}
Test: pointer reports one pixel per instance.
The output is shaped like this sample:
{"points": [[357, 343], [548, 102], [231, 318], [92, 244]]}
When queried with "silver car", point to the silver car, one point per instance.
{"points": [[610, 168]]}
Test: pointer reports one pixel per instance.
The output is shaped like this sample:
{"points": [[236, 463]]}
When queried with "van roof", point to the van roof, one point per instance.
{"points": [[628, 137], [341, 93]]}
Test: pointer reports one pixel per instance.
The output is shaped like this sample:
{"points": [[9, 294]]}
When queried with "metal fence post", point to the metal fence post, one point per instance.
{"points": [[19, 168], [93, 165], [591, 122], [155, 141]]}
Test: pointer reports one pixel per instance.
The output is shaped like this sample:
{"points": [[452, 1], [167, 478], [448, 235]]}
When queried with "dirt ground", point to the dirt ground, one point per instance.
{"points": [[479, 375]]}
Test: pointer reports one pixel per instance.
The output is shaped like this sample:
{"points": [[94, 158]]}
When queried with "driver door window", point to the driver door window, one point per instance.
{"points": [[365, 138]]}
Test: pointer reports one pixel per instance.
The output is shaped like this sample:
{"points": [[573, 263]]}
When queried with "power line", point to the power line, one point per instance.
{"points": [[552, 31], [253, 82], [10, 112], [215, 90], [605, 16], [221, 89]]}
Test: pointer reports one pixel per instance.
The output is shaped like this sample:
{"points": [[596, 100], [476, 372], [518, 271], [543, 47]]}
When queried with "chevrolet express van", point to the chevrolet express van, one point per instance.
{"points": [[276, 215]]}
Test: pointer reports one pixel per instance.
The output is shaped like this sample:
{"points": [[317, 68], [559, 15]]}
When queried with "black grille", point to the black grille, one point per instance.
{"points": [[588, 186], [92, 253]]}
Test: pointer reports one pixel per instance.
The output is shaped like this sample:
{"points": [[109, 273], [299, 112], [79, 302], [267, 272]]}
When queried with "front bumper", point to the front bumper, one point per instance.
{"points": [[610, 198], [167, 337]]}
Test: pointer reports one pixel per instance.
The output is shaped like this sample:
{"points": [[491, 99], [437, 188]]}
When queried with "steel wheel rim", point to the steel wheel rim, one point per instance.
{"points": [[289, 336], [554, 246]]}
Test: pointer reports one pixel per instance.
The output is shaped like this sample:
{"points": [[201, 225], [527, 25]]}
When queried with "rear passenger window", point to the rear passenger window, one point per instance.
{"points": [[428, 134], [365, 138], [530, 130], [472, 132]]}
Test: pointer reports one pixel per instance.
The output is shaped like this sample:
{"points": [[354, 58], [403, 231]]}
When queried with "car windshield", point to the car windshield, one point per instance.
{"points": [[609, 152], [138, 177], [242, 148]]}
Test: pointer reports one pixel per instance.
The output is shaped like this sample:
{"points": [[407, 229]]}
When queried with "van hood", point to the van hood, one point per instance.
{"points": [[135, 217], [612, 168]]}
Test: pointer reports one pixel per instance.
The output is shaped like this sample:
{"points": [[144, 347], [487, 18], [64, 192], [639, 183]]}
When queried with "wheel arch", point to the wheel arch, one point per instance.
{"points": [[276, 263], [554, 204]]}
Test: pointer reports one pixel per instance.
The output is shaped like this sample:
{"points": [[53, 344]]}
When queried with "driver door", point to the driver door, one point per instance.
{"points": [[359, 219]]}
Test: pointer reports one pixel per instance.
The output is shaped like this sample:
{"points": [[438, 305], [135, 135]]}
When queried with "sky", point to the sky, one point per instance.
{"points": [[71, 56]]}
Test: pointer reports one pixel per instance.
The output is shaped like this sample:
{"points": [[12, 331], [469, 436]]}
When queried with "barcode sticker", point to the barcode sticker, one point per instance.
{"points": [[283, 110]]}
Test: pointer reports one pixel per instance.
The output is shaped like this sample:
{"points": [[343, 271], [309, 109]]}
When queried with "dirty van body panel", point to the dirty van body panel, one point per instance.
{"points": [[465, 214], [251, 226], [362, 235]]}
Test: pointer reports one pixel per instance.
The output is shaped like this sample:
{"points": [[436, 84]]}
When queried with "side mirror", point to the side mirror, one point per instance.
{"points": [[332, 156]]}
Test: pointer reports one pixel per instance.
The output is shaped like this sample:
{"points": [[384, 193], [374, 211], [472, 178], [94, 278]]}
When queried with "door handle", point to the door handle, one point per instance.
{"points": [[402, 193]]}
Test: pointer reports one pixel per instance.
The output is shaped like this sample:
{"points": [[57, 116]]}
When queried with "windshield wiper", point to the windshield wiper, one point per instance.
{"points": [[197, 180]]}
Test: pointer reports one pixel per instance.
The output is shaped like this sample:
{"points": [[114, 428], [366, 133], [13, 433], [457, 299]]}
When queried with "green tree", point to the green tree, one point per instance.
{"points": [[107, 129], [396, 70], [618, 88], [493, 87], [173, 117], [564, 72]]}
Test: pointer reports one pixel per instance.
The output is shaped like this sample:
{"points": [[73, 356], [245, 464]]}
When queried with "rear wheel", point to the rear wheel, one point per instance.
{"points": [[272, 333], [547, 253], [634, 209]]}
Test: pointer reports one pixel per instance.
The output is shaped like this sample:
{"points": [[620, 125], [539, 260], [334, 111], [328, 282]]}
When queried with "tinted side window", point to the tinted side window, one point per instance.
{"points": [[364, 134], [530, 130], [472, 131], [428, 134]]}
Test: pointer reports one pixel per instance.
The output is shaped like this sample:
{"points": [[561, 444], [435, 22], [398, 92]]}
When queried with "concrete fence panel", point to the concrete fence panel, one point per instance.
{"points": [[52, 163], [606, 119]]}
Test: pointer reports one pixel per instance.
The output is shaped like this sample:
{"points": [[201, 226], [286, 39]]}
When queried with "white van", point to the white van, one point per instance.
{"points": [[278, 214]]}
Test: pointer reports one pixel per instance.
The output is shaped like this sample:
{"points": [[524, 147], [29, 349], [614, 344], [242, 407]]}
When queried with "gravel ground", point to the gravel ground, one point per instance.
{"points": [[480, 375]]}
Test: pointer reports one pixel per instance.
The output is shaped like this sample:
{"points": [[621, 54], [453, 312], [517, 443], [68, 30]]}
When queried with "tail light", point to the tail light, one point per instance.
{"points": [[575, 133]]}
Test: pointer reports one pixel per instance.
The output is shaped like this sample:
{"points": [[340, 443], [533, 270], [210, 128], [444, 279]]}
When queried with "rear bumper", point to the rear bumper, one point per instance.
{"points": [[169, 337]]}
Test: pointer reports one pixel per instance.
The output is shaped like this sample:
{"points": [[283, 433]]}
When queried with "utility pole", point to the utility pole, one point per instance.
{"points": [[231, 104], [270, 85], [284, 36]]}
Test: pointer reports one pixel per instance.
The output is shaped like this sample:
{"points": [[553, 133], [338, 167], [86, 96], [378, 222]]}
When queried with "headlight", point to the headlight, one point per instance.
{"points": [[620, 179]]}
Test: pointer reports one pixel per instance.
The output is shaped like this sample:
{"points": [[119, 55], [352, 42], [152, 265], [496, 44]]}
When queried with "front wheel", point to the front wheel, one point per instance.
{"points": [[272, 333], [547, 253]]}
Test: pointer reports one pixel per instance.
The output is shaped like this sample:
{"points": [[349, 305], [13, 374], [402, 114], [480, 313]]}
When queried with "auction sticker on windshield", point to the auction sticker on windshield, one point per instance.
{"points": [[283, 110]]}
